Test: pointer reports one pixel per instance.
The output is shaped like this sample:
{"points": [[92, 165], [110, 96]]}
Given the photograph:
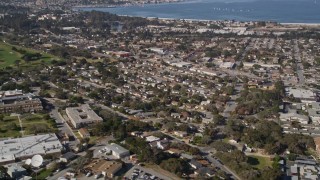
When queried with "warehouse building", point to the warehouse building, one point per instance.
{"points": [[26, 147]]}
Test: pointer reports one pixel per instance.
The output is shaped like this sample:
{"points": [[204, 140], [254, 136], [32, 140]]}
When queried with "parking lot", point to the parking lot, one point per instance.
{"points": [[137, 172]]}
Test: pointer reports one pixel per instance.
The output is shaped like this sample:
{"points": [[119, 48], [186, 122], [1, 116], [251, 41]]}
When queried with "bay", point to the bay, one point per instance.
{"points": [[283, 11]]}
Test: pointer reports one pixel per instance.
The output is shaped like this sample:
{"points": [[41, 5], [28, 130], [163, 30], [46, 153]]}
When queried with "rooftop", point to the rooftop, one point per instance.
{"points": [[109, 167], [116, 148], [29, 146], [300, 93], [82, 114]]}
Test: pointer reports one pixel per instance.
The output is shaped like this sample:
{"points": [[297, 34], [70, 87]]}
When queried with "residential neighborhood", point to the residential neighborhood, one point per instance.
{"points": [[101, 96]]}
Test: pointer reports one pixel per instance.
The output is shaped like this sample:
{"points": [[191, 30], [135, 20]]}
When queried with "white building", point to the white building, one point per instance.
{"points": [[26, 147], [117, 151], [83, 115], [305, 95]]}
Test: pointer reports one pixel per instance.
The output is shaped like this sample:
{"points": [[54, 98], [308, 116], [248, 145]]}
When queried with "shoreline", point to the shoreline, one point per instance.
{"points": [[87, 8], [221, 20], [305, 24], [127, 4]]}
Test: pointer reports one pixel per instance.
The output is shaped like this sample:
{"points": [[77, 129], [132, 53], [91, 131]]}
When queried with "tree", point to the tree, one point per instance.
{"points": [[17, 62], [222, 146], [218, 120], [60, 94], [174, 165]]}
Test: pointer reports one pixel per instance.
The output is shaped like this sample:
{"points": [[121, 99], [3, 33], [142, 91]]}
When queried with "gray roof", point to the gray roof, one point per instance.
{"points": [[116, 148], [314, 112], [29, 146], [294, 169], [69, 155], [82, 114], [15, 168]]}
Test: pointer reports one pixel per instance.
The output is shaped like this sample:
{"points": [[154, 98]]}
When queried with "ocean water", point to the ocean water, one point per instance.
{"points": [[283, 11]]}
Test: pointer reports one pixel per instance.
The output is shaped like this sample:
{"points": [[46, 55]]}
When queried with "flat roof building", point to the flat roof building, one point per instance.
{"points": [[15, 102], [26, 147], [305, 95], [117, 151], [106, 168], [81, 116]]}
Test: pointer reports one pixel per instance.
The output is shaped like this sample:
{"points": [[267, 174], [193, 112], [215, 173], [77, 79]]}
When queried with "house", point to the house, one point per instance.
{"points": [[180, 133], [163, 144], [175, 115], [117, 150], [136, 133], [67, 157], [195, 164], [16, 171], [174, 151], [186, 156], [84, 133], [152, 139], [204, 171]]}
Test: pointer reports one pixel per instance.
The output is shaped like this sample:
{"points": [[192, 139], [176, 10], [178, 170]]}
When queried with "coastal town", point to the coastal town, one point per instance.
{"points": [[101, 96]]}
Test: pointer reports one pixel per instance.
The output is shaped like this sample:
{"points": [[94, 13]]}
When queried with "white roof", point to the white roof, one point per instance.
{"points": [[29, 146], [300, 93], [152, 138], [82, 114], [116, 148]]}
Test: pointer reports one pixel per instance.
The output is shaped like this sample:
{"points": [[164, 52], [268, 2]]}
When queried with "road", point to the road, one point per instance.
{"points": [[63, 126], [298, 63], [110, 109], [207, 150], [231, 105]]}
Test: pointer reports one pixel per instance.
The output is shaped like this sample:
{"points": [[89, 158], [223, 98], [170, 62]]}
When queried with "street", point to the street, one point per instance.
{"points": [[298, 62], [63, 126]]}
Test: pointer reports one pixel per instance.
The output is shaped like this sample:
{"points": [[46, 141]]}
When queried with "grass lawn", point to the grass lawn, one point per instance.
{"points": [[93, 139], [76, 133], [226, 140], [9, 127], [37, 123], [43, 174], [259, 161], [8, 56]]}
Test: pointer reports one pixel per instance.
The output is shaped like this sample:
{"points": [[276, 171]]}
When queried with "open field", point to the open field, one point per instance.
{"points": [[9, 127], [8, 56], [37, 123], [259, 161]]}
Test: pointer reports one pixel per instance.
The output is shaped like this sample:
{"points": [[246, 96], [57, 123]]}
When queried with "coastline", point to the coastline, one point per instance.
{"points": [[301, 24], [221, 20], [128, 4], [121, 10]]}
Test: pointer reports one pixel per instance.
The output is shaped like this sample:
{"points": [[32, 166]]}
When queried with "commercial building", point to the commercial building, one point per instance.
{"points": [[117, 151], [16, 102], [106, 168], [305, 95], [305, 169], [81, 116], [26, 147]]}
